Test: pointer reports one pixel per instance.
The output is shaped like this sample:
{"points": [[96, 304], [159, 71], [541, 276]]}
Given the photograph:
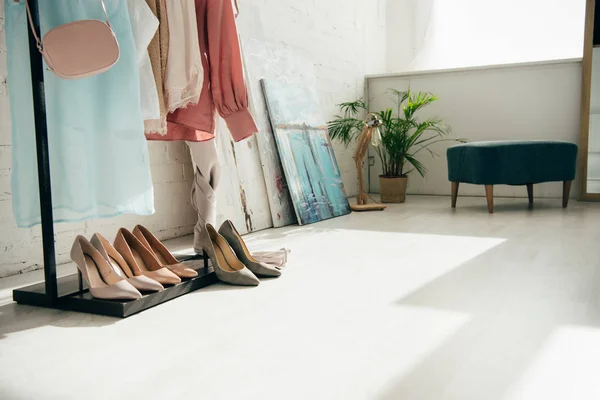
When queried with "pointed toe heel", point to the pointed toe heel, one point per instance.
{"points": [[238, 245], [139, 258], [227, 266], [103, 282], [162, 254], [122, 268]]}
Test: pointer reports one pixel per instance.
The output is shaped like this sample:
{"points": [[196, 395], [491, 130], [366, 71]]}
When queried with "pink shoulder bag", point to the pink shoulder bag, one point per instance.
{"points": [[78, 49]]}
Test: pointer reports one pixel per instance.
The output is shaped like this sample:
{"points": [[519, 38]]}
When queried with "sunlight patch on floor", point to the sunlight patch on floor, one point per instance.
{"points": [[566, 367]]}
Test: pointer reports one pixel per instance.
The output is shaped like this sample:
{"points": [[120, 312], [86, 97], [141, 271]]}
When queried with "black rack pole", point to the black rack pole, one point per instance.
{"points": [[43, 160]]}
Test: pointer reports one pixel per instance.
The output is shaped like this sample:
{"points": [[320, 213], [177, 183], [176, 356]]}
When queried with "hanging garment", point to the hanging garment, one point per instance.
{"points": [[144, 25], [184, 75], [224, 87], [158, 50], [98, 156]]}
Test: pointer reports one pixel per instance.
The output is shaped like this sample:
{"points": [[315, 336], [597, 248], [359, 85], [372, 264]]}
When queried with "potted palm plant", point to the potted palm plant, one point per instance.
{"points": [[403, 136]]}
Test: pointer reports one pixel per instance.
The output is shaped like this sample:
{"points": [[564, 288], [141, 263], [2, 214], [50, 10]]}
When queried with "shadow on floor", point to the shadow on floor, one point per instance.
{"points": [[513, 206], [17, 318], [515, 302]]}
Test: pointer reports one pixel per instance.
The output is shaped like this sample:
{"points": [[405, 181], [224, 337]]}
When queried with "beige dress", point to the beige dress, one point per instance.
{"points": [[158, 50], [184, 76]]}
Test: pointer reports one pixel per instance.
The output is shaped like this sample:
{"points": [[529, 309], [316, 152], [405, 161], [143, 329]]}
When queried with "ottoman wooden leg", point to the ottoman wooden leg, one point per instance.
{"points": [[489, 194], [566, 193], [454, 193], [530, 193]]}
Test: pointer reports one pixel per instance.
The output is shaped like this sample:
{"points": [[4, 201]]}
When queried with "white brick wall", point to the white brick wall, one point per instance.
{"points": [[334, 33]]}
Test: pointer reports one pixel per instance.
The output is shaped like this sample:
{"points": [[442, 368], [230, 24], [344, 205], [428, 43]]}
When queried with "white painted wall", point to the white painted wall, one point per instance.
{"points": [[333, 34], [400, 28], [501, 104], [539, 101]]}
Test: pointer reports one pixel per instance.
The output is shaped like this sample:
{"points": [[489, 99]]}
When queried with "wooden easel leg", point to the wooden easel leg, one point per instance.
{"points": [[454, 193], [361, 198], [489, 194], [566, 193]]}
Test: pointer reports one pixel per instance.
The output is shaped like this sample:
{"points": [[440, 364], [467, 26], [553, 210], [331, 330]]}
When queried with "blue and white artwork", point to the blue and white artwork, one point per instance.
{"points": [[309, 164]]}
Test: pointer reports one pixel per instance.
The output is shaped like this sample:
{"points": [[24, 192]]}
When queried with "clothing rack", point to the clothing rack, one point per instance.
{"points": [[68, 293]]}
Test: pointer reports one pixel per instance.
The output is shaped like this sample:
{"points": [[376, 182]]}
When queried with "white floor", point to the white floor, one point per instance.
{"points": [[418, 302]]}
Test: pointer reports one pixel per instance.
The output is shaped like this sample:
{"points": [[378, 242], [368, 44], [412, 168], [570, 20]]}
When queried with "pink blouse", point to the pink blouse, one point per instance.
{"points": [[224, 86]]}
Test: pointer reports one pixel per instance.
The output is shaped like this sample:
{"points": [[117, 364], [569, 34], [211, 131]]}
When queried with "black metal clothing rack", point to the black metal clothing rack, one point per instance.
{"points": [[66, 293]]}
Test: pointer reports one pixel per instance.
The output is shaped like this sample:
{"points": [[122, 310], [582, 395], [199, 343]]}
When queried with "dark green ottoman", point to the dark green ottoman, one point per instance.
{"points": [[512, 163]]}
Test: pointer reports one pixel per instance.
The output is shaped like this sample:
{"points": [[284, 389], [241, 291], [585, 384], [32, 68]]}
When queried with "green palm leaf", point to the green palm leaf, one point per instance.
{"points": [[403, 135]]}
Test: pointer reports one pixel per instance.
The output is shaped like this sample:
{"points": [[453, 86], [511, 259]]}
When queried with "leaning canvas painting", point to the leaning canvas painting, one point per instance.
{"points": [[310, 167]]}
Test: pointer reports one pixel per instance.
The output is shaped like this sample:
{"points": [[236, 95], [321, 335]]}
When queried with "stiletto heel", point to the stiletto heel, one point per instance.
{"points": [[236, 242], [139, 258], [225, 263], [80, 280], [103, 282], [162, 253]]}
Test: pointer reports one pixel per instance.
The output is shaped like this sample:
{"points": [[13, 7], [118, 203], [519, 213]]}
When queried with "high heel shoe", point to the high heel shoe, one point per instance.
{"points": [[139, 257], [102, 280], [120, 266], [225, 263], [236, 242], [162, 253]]}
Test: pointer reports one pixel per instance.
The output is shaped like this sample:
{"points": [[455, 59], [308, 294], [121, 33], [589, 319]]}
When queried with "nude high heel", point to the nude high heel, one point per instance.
{"points": [[162, 253], [139, 257], [102, 280], [236, 242], [225, 263], [120, 266]]}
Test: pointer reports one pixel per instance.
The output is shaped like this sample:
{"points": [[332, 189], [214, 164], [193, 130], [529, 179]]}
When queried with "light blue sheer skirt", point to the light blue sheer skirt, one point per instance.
{"points": [[98, 153]]}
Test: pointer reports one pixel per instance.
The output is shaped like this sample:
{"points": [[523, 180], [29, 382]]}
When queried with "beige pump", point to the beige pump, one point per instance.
{"points": [[140, 258], [102, 280], [120, 266], [163, 255]]}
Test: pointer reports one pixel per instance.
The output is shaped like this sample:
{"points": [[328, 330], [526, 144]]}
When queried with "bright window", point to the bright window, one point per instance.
{"points": [[466, 33]]}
